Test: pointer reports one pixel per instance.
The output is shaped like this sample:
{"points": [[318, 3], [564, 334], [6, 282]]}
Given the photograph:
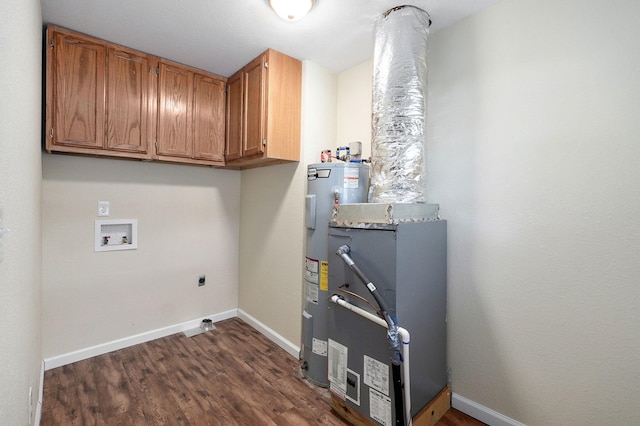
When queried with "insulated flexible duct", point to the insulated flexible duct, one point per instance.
{"points": [[399, 106]]}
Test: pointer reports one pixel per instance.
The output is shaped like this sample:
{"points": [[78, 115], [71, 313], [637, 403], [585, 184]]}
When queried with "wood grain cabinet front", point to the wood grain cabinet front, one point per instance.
{"points": [[264, 112], [98, 97], [191, 117], [103, 99]]}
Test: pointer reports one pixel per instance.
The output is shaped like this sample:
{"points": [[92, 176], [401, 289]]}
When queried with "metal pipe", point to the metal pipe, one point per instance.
{"points": [[343, 252], [406, 340]]}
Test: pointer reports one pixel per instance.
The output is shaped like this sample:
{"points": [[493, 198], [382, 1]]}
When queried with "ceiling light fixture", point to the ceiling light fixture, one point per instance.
{"points": [[292, 10]]}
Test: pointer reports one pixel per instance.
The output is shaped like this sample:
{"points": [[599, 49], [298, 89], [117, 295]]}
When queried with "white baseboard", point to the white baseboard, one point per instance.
{"points": [[276, 338], [79, 355], [482, 413]]}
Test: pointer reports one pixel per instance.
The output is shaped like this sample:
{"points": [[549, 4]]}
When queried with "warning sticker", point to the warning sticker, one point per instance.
{"points": [[376, 375], [379, 407], [351, 177], [319, 347], [311, 270], [337, 366], [324, 275], [312, 293]]}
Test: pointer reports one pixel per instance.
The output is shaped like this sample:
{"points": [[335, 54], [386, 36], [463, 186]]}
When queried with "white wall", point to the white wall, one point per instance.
{"points": [[272, 230], [354, 106], [188, 225], [20, 264], [533, 153]]}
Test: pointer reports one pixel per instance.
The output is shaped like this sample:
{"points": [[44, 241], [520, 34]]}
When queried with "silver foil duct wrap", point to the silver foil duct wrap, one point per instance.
{"points": [[398, 172]]}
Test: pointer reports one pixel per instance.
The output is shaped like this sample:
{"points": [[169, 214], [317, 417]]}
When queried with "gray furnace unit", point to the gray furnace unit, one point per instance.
{"points": [[402, 249], [328, 184]]}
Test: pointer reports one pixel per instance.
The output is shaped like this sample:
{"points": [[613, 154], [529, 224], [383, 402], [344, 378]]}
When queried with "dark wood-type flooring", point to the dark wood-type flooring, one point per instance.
{"points": [[232, 375]]}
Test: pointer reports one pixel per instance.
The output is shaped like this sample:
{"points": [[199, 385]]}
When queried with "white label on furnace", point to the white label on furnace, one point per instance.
{"points": [[312, 293], [311, 270], [379, 407], [337, 366], [319, 347], [351, 177], [376, 375]]}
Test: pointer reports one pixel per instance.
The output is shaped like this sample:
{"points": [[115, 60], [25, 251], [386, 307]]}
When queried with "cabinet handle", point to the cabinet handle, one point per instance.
{"points": [[51, 132], [264, 142]]}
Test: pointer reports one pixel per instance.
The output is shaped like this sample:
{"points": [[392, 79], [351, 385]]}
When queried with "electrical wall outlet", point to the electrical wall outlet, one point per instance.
{"points": [[103, 208], [201, 280]]}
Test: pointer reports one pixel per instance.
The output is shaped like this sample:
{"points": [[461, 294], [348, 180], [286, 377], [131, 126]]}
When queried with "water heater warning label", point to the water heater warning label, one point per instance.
{"points": [[351, 177], [312, 293], [311, 270], [311, 276], [324, 275]]}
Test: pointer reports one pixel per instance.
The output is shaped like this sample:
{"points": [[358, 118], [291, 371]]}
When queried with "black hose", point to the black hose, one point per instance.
{"points": [[396, 375]]}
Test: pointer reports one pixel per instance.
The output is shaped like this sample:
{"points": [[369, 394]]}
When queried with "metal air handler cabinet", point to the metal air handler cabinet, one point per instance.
{"points": [[402, 248]]}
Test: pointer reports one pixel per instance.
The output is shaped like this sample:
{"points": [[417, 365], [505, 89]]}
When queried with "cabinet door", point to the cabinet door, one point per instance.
{"points": [[235, 116], [175, 93], [79, 87], [127, 101], [208, 118], [255, 107]]}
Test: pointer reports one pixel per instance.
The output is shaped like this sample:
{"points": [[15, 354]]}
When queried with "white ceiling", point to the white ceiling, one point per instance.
{"points": [[223, 35]]}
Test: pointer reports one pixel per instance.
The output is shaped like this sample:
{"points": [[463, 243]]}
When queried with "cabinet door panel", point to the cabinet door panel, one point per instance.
{"points": [[127, 98], [254, 108], [174, 114], [235, 116], [79, 97], [208, 118]]}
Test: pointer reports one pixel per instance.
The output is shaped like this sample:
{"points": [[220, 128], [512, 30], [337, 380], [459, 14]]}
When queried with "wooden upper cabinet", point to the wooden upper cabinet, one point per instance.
{"points": [[98, 96], [76, 80], [108, 100], [191, 119], [175, 95], [208, 118], [255, 74], [128, 104], [264, 112], [235, 115]]}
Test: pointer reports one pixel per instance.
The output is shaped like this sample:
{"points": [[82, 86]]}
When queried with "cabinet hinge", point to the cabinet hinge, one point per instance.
{"points": [[225, 89], [157, 71], [264, 142], [52, 43], [266, 64]]}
